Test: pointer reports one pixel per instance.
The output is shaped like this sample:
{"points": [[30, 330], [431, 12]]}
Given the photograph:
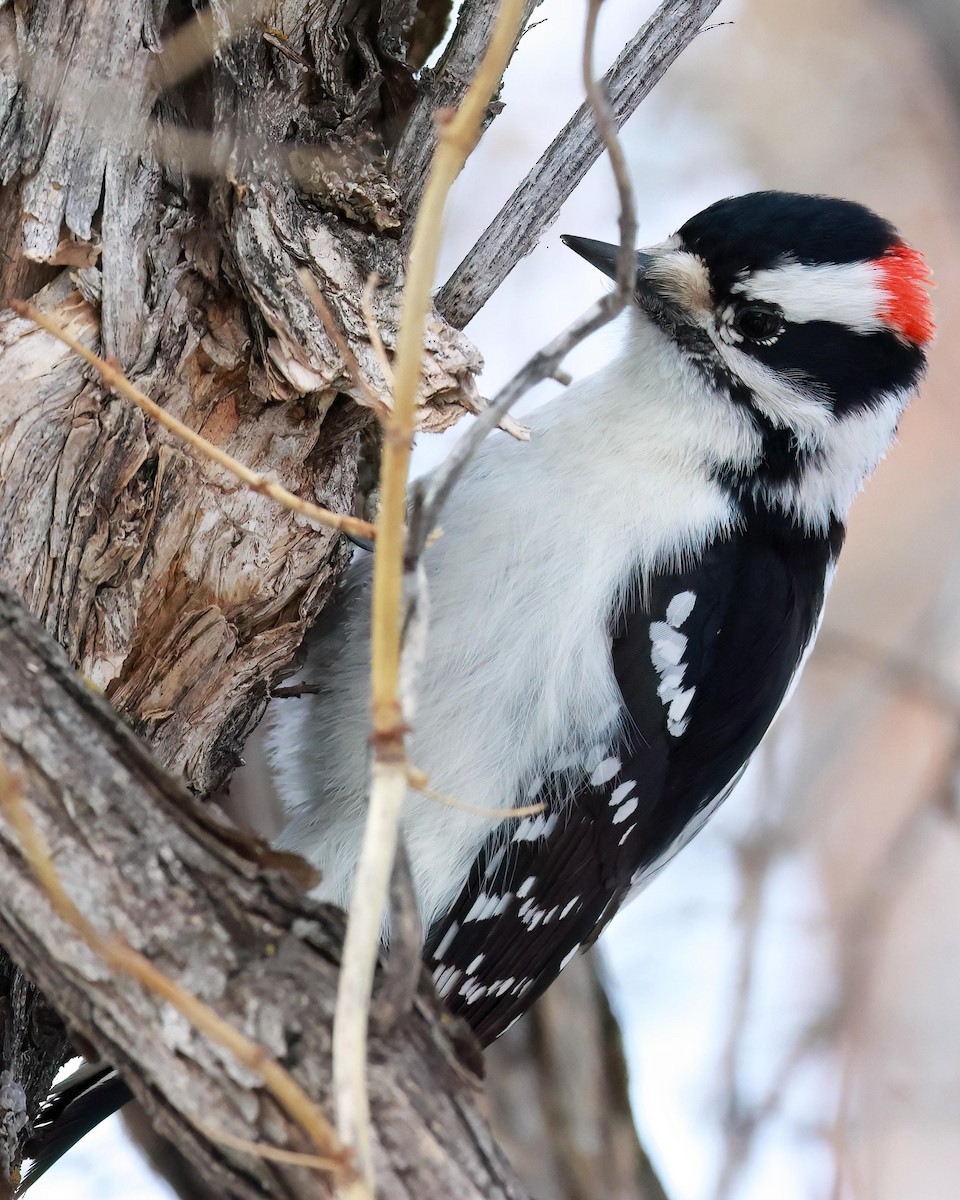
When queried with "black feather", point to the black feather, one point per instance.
{"points": [[532, 901]]}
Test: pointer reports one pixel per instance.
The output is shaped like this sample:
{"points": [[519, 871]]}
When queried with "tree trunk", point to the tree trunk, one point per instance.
{"points": [[167, 230], [179, 594]]}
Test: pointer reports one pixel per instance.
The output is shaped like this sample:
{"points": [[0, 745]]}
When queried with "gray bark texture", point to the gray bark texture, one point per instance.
{"points": [[209, 908], [164, 177]]}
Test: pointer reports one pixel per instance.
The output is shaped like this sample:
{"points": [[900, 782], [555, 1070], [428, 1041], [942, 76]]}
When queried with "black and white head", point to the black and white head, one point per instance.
{"points": [[799, 324]]}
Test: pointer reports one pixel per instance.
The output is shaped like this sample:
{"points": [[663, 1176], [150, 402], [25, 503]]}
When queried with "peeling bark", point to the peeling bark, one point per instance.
{"points": [[180, 595], [137, 853]]}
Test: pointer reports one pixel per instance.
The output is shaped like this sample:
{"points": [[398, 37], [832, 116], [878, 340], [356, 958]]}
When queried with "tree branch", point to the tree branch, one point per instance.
{"points": [[445, 88], [208, 909], [534, 205]]}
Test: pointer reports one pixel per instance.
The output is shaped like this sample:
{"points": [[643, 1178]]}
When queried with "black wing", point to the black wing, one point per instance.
{"points": [[703, 665], [75, 1106]]}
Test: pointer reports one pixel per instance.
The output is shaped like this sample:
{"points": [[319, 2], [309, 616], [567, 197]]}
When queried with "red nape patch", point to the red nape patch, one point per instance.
{"points": [[905, 277]]}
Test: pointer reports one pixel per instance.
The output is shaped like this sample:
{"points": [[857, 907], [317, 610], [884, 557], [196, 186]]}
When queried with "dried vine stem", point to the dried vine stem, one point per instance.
{"points": [[431, 497], [123, 958], [293, 1158], [114, 378], [457, 136], [534, 204]]}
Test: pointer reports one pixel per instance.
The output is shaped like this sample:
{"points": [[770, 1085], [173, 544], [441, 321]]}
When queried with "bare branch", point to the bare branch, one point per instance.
{"points": [[446, 87], [534, 205], [120, 957], [197, 899]]}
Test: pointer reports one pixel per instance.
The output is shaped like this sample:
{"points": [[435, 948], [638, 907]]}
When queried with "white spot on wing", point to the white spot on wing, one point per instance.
{"points": [[605, 771], [531, 828], [483, 908], [667, 647], [446, 979], [495, 860], [569, 956], [680, 607], [625, 810], [668, 643], [679, 704], [446, 940], [622, 791]]}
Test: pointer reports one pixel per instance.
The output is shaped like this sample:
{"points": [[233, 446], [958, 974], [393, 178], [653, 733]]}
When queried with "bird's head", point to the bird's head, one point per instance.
{"points": [[806, 318]]}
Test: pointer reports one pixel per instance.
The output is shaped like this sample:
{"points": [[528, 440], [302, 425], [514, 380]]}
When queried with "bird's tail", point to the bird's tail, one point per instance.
{"points": [[75, 1106]]}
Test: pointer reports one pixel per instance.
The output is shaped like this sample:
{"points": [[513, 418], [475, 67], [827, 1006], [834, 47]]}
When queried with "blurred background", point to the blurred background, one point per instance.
{"points": [[789, 989]]}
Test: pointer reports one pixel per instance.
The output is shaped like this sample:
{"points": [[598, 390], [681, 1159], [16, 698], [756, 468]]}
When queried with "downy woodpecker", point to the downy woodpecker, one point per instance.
{"points": [[620, 606]]}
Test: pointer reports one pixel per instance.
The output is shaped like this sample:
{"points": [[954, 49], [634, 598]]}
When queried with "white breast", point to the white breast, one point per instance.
{"points": [[540, 542]]}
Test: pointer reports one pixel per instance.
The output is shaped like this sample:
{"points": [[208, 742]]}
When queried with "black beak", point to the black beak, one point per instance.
{"points": [[648, 288], [603, 255]]}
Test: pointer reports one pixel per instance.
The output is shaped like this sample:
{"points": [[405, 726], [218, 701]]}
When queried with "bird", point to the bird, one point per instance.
{"points": [[619, 607]]}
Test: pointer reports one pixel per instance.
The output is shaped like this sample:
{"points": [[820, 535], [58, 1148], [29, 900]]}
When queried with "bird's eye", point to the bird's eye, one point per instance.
{"points": [[757, 323]]}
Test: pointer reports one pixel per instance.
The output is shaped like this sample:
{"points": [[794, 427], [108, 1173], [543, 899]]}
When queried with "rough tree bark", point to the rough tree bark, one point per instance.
{"points": [[241, 936], [163, 181]]}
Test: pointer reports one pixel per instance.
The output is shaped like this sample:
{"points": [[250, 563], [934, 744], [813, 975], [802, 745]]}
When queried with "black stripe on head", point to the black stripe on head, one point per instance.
{"points": [[756, 231], [854, 370]]}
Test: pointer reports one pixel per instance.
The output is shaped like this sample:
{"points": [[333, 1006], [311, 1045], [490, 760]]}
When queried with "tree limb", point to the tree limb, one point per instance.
{"points": [[445, 88], [212, 912], [534, 204]]}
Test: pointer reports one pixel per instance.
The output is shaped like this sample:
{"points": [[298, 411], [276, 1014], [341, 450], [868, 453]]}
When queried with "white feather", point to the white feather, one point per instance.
{"points": [[536, 554], [849, 294]]}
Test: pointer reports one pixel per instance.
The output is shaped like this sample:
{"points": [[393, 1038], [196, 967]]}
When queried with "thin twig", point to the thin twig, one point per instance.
{"points": [[372, 400], [418, 782], [293, 1158], [456, 138], [122, 958], [431, 494], [373, 328], [606, 127], [537, 200], [114, 378], [448, 83]]}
